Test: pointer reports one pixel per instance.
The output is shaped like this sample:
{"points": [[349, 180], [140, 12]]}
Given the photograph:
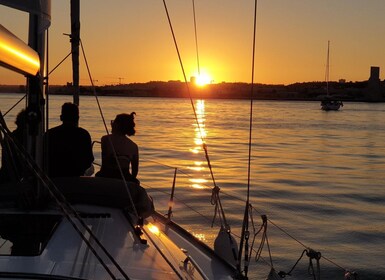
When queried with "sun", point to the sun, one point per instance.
{"points": [[202, 80]]}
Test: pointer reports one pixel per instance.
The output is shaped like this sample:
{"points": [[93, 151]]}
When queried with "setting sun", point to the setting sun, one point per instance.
{"points": [[202, 79]]}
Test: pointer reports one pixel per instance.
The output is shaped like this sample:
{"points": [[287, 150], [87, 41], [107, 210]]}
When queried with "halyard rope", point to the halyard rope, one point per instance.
{"points": [[64, 205], [215, 199], [106, 129], [245, 225]]}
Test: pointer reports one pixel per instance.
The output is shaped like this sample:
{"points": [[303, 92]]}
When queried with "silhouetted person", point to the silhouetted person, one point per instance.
{"points": [[126, 150], [11, 164], [69, 146]]}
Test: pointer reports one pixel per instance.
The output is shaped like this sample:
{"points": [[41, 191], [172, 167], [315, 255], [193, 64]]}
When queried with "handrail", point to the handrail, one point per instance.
{"points": [[196, 266], [171, 201]]}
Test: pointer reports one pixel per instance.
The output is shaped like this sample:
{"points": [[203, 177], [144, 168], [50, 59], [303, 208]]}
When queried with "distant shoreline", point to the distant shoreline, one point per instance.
{"points": [[311, 91]]}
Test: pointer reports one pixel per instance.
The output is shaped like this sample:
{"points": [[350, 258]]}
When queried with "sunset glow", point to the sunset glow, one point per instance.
{"points": [[203, 79], [147, 53]]}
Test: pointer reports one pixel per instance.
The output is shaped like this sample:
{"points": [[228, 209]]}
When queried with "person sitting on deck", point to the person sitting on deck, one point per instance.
{"points": [[11, 164], [69, 146], [118, 149]]}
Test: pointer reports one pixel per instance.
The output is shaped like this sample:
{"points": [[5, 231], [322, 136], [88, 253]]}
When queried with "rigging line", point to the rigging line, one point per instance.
{"points": [[5, 241], [99, 231], [17, 103], [193, 106], [51, 187], [239, 199], [183, 70], [245, 226], [196, 38], [106, 129], [334, 263], [177, 48], [271, 221], [163, 254], [206, 187], [180, 170], [327, 73], [181, 201], [254, 237], [65, 206], [209, 220], [47, 76], [46, 89], [294, 238], [93, 87], [288, 234], [59, 63]]}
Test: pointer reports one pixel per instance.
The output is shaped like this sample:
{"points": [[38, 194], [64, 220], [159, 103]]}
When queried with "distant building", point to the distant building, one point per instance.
{"points": [[374, 92]]}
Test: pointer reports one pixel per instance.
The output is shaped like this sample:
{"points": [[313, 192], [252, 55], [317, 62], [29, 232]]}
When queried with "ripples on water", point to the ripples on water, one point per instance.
{"points": [[318, 175]]}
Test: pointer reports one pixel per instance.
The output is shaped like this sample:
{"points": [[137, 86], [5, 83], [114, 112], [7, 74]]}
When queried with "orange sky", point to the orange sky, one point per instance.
{"points": [[130, 41]]}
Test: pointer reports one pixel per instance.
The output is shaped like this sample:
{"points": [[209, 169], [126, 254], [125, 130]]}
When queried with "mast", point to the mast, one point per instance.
{"points": [[327, 69], [33, 54], [75, 41], [39, 21]]}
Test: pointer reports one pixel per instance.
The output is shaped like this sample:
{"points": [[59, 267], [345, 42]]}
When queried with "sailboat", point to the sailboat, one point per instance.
{"points": [[83, 227], [92, 227], [329, 104]]}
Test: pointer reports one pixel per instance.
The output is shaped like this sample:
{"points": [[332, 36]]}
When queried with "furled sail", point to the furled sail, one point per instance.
{"points": [[14, 53], [17, 55]]}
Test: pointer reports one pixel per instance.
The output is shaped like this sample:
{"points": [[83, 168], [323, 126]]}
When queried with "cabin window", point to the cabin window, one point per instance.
{"points": [[26, 235]]}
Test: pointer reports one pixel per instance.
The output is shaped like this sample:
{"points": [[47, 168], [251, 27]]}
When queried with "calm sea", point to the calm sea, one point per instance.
{"points": [[318, 176]]}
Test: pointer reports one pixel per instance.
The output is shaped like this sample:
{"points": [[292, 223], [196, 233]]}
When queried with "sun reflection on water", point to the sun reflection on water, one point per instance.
{"points": [[198, 183], [196, 168], [200, 236], [200, 134]]}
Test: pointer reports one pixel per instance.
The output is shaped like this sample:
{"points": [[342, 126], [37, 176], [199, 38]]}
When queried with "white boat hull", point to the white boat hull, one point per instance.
{"points": [[163, 251]]}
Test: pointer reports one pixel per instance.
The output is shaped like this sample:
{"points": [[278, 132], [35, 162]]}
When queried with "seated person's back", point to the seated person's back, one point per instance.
{"points": [[12, 165], [69, 147], [127, 152]]}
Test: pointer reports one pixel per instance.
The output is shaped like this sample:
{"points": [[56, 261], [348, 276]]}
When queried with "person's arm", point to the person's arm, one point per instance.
{"points": [[104, 149], [90, 155], [86, 157], [135, 164]]}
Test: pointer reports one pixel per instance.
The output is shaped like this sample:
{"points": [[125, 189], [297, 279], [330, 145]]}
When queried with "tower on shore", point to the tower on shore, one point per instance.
{"points": [[374, 90]]}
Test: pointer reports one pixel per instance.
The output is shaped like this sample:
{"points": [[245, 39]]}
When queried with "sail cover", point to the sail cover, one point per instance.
{"points": [[17, 55], [14, 53]]}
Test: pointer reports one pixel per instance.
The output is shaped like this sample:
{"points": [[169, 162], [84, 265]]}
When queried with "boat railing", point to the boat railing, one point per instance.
{"points": [[190, 259], [169, 212], [257, 230]]}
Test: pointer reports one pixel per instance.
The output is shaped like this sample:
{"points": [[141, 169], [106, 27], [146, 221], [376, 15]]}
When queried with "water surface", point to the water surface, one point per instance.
{"points": [[317, 175]]}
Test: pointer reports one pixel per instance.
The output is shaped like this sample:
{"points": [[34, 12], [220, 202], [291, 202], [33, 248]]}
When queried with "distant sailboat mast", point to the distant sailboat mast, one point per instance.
{"points": [[327, 103], [327, 72]]}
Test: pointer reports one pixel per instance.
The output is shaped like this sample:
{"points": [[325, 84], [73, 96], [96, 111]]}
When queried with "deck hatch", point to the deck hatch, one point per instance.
{"points": [[26, 234]]}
